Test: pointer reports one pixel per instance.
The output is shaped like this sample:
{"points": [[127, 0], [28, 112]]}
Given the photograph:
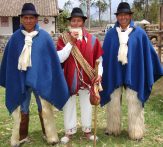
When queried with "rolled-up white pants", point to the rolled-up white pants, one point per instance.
{"points": [[70, 113]]}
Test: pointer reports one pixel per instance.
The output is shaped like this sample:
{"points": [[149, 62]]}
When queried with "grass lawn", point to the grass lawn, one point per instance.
{"points": [[153, 123]]}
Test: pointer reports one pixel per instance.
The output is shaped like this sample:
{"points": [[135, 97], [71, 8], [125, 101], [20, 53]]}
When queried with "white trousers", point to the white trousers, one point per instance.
{"points": [[135, 114], [70, 113]]}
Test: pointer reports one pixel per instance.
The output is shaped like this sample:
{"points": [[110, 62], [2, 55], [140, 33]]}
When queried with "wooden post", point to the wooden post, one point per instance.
{"points": [[88, 14], [160, 35], [159, 45], [95, 125], [110, 11]]}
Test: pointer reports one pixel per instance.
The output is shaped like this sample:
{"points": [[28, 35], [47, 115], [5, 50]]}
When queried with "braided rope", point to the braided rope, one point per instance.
{"points": [[79, 57]]}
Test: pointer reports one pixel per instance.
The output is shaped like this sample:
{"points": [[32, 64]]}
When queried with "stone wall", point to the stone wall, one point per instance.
{"points": [[3, 42]]}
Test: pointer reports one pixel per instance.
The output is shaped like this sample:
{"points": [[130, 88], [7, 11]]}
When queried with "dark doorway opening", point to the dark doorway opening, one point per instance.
{"points": [[16, 23]]}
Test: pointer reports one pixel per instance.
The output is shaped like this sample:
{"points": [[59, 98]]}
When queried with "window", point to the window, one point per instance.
{"points": [[4, 22]]}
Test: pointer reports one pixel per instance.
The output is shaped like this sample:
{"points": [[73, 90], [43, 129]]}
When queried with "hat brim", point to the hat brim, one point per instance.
{"points": [[77, 15], [28, 12], [123, 11]]}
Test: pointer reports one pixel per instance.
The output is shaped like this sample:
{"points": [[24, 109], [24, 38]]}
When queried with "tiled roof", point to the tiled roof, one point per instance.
{"points": [[43, 7]]}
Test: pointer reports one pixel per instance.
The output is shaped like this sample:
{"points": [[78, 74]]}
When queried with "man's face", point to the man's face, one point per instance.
{"points": [[124, 19], [29, 22], [76, 22]]}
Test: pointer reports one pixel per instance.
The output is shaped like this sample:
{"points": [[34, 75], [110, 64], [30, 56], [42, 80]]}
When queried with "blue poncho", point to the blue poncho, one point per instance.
{"points": [[45, 76], [142, 70]]}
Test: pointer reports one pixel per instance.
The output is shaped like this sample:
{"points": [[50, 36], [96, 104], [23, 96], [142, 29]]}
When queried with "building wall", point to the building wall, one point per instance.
{"points": [[6, 29], [47, 23]]}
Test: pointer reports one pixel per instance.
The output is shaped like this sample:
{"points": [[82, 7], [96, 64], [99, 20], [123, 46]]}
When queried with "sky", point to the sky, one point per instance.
{"points": [[76, 3], [94, 12]]}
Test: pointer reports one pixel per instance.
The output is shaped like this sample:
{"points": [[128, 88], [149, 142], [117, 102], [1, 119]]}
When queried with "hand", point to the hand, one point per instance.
{"points": [[74, 36]]}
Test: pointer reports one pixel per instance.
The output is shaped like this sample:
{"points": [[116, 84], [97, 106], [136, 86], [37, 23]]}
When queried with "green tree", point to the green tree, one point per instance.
{"points": [[138, 9], [154, 11], [62, 21], [85, 6], [102, 7], [146, 9], [68, 6]]}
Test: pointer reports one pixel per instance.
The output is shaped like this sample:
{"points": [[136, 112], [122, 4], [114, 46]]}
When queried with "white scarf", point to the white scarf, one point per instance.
{"points": [[123, 48], [25, 56]]}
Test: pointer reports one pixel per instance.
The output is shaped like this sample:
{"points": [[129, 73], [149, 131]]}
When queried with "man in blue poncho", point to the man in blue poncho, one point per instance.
{"points": [[31, 63], [129, 60]]}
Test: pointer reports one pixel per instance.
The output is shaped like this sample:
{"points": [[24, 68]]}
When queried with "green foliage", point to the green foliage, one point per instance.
{"points": [[138, 10], [154, 11], [102, 5], [143, 11], [62, 21]]}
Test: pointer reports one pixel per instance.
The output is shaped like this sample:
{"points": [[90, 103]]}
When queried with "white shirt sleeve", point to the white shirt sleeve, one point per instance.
{"points": [[100, 68], [65, 52]]}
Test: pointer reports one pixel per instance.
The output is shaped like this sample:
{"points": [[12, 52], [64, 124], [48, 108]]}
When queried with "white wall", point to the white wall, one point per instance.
{"points": [[6, 30], [49, 25]]}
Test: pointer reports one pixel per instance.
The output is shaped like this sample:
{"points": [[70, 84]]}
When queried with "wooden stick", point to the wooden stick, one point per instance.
{"points": [[95, 125], [95, 107]]}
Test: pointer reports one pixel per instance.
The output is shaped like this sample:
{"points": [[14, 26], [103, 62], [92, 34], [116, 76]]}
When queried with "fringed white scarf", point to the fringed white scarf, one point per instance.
{"points": [[123, 48], [25, 56]]}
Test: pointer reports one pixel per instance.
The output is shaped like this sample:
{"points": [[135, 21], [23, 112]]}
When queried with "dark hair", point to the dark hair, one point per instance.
{"points": [[78, 16]]}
